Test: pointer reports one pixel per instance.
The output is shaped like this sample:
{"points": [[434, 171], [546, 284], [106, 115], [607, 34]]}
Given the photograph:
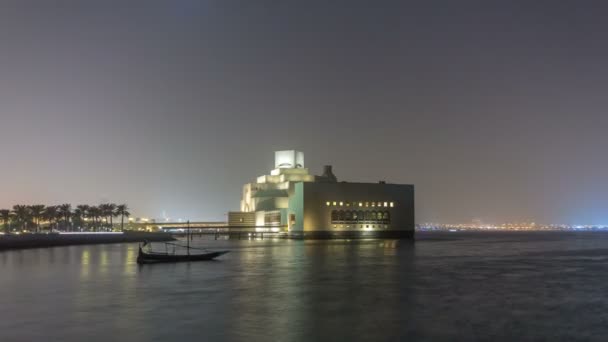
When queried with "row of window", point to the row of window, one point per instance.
{"points": [[360, 204], [362, 226], [360, 216]]}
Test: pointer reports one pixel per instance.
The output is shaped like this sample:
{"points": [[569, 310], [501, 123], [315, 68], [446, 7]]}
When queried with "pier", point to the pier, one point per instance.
{"points": [[265, 232]]}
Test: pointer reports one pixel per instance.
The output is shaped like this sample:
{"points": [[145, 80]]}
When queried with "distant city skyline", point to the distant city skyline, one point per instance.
{"points": [[494, 111]]}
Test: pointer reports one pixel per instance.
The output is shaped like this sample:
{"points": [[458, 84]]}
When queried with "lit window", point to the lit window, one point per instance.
{"points": [[341, 203], [327, 203], [334, 203], [348, 204], [360, 204], [373, 204], [379, 204], [366, 204], [392, 204], [385, 204]]}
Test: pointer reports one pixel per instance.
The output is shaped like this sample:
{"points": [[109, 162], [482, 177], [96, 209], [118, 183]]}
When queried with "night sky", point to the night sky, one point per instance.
{"points": [[494, 110]]}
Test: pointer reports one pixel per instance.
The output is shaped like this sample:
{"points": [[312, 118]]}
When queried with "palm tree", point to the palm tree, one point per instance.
{"points": [[22, 215], [50, 214], [36, 211], [123, 211], [99, 213], [84, 217], [65, 210], [5, 215], [107, 211], [82, 211], [77, 217], [94, 213], [112, 214]]}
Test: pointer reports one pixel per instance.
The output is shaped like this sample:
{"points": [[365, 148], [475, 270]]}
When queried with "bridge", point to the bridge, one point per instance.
{"points": [[216, 229]]}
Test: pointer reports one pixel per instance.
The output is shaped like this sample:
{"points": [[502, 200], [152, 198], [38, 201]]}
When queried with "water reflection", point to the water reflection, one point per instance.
{"points": [[313, 284], [130, 261], [85, 269], [434, 289]]}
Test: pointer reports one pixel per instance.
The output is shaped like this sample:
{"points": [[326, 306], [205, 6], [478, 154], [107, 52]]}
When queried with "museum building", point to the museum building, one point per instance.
{"points": [[298, 204]]}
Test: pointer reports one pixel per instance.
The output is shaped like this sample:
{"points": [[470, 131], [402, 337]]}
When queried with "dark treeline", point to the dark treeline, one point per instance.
{"points": [[39, 218]]}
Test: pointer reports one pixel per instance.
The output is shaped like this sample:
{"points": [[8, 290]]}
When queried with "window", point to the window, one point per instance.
{"points": [[334, 203], [360, 204], [272, 218], [327, 204], [385, 204], [392, 204], [334, 215], [375, 217], [341, 203]]}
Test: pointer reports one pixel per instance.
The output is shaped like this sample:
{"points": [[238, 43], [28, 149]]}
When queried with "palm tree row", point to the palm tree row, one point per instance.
{"points": [[63, 217]]}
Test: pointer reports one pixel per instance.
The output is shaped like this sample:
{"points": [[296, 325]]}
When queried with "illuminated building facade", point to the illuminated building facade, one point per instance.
{"points": [[293, 201]]}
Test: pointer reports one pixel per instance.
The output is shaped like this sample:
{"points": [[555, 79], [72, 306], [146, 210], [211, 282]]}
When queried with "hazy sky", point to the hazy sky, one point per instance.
{"points": [[494, 110]]}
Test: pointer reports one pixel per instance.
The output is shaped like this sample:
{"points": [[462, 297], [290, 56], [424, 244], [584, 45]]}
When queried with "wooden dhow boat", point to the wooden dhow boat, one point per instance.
{"points": [[148, 256]]}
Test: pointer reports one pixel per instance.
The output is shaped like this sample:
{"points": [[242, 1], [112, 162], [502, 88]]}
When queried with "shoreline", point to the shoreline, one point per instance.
{"points": [[27, 241]]}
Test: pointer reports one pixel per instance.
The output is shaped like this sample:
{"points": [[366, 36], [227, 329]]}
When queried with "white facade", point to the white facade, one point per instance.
{"points": [[289, 159], [269, 195]]}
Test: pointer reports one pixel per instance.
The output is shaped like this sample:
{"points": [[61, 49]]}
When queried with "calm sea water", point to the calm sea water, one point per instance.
{"points": [[445, 286]]}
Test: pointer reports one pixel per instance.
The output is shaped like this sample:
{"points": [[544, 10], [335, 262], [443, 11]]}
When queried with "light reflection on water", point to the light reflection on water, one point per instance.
{"points": [[517, 286]]}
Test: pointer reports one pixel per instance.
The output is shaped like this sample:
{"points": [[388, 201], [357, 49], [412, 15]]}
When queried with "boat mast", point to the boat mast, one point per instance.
{"points": [[188, 237]]}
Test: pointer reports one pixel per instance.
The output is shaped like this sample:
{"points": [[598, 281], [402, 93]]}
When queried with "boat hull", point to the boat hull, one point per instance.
{"points": [[153, 258]]}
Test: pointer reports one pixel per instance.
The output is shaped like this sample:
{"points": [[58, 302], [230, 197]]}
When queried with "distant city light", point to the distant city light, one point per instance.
{"points": [[519, 226]]}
